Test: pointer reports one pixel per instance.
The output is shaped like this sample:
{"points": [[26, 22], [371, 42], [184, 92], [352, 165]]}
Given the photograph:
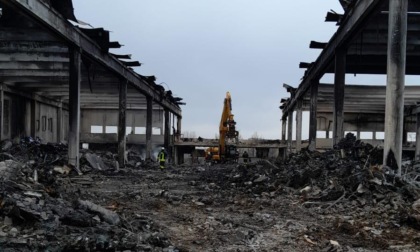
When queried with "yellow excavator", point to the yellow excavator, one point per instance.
{"points": [[228, 139]]}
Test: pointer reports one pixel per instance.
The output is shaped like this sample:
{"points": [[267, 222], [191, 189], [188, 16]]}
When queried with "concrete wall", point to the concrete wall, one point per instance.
{"points": [[367, 127], [19, 121], [46, 122], [100, 126]]}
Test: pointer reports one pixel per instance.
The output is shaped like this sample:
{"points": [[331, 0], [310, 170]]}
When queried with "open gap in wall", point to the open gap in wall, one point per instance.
{"points": [[96, 129], [380, 135], [156, 131], [50, 124], [366, 135], [321, 134], [411, 136], [44, 123], [140, 130], [111, 129]]}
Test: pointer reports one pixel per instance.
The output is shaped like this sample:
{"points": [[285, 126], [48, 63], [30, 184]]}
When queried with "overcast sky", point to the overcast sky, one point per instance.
{"points": [[200, 49]]}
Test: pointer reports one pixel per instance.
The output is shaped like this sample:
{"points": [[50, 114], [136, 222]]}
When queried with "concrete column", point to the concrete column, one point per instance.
{"points": [[122, 111], [394, 115], [299, 126], [175, 156], [283, 129], [167, 129], [1, 111], [405, 132], [74, 107], [60, 135], [33, 118], [178, 127], [167, 134], [104, 123], [312, 115], [149, 125], [289, 132], [327, 132], [417, 152], [177, 138], [339, 83]]}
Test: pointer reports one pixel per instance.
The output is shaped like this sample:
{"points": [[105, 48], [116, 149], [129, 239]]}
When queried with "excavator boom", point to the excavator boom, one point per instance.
{"points": [[228, 133], [228, 138]]}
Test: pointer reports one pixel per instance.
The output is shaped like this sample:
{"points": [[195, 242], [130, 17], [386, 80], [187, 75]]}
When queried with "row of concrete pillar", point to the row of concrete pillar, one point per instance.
{"points": [[394, 111], [74, 115]]}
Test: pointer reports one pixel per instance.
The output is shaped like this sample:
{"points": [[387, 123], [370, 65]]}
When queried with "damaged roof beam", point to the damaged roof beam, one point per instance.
{"points": [[305, 64], [317, 45], [53, 21], [349, 27]]}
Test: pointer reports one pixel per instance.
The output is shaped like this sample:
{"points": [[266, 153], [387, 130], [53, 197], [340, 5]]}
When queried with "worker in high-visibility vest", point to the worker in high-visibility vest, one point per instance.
{"points": [[162, 158]]}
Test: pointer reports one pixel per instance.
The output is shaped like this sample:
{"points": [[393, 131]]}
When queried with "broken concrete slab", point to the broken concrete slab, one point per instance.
{"points": [[96, 162], [109, 216]]}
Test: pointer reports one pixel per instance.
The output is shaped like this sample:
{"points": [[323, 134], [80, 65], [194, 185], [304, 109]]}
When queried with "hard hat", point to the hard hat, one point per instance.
{"points": [[163, 148]]}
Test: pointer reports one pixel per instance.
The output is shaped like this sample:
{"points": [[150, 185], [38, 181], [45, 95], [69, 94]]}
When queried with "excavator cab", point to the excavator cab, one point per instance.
{"points": [[232, 153]]}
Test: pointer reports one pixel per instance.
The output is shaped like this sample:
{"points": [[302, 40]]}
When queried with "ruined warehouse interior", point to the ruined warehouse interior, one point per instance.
{"points": [[373, 38], [60, 83], [92, 152]]}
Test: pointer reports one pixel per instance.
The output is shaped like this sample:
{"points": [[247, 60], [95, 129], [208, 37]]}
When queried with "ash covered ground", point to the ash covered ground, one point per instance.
{"points": [[337, 200]]}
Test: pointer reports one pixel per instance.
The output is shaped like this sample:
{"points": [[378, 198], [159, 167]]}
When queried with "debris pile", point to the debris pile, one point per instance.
{"points": [[362, 198], [337, 200], [345, 186], [45, 205]]}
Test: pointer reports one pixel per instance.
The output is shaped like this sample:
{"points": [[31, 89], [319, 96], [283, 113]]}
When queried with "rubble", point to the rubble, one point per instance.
{"points": [[109, 216], [337, 200]]}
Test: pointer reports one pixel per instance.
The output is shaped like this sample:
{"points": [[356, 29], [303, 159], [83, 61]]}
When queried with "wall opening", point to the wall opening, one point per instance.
{"points": [[111, 129], [96, 129], [380, 135], [140, 130], [411, 136], [156, 131]]}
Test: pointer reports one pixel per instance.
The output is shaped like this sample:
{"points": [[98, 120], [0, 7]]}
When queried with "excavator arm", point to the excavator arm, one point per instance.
{"points": [[227, 130]]}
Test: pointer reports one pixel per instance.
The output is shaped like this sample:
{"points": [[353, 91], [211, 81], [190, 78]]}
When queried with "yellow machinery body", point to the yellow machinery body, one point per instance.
{"points": [[228, 138]]}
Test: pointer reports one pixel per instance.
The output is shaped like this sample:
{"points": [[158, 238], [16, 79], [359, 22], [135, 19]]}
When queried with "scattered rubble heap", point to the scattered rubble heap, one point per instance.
{"points": [[337, 200], [345, 186], [43, 205]]}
